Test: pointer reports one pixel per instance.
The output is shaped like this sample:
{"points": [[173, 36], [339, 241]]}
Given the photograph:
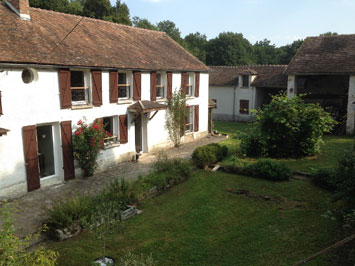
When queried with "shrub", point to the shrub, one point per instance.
{"points": [[130, 259], [13, 251], [233, 165], [87, 142], [118, 191], [205, 155], [346, 179], [325, 178], [271, 170], [64, 213], [287, 127]]}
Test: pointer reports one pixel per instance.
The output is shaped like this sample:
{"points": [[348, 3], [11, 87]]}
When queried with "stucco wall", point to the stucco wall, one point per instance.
{"points": [[38, 103], [228, 102]]}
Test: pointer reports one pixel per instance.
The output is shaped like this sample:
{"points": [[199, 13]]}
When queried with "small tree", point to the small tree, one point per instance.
{"points": [[176, 115], [103, 222], [87, 142]]}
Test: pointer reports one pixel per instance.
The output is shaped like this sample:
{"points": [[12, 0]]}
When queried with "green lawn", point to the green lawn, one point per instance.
{"points": [[331, 151], [200, 223]]}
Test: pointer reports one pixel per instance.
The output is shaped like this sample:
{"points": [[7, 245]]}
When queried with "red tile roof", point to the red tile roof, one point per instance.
{"points": [[267, 76], [325, 55], [228, 75], [53, 38]]}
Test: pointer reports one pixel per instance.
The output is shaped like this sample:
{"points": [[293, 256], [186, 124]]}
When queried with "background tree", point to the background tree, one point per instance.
{"points": [[55, 5], [288, 51], [97, 8], [265, 52], [143, 23], [120, 14], [170, 28], [229, 49], [196, 43]]}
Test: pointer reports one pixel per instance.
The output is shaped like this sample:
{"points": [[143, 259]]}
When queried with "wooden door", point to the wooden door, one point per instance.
{"points": [[67, 148], [31, 157]]}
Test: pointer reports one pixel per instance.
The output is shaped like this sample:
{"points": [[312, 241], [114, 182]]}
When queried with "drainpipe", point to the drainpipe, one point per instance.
{"points": [[234, 89]]}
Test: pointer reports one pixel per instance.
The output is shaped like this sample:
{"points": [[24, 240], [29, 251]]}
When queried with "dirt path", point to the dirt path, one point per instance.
{"points": [[30, 210]]}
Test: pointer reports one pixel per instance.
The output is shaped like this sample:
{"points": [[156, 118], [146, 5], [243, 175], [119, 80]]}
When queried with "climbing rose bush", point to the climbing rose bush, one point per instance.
{"points": [[88, 140]]}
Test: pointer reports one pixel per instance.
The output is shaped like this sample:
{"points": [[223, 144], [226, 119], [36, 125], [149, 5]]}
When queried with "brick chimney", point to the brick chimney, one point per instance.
{"points": [[20, 7]]}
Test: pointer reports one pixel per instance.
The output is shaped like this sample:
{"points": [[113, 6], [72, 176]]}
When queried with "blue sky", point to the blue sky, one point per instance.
{"points": [[281, 21]]}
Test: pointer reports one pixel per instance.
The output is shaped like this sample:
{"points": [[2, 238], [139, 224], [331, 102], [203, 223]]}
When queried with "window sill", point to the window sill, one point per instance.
{"points": [[124, 101], [162, 100], [189, 133], [79, 107], [190, 97], [111, 146]]}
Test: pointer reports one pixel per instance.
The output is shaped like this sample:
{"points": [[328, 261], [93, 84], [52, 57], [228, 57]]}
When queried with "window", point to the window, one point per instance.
{"points": [[27, 76], [79, 90], [189, 120], [244, 107], [245, 82], [190, 84], [160, 85], [124, 86], [111, 126]]}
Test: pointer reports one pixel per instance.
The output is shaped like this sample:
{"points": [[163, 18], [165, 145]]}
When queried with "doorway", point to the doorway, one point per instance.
{"points": [[45, 150], [138, 131]]}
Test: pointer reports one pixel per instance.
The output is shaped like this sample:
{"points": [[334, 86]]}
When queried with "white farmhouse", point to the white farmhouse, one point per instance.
{"points": [[57, 69], [239, 89]]}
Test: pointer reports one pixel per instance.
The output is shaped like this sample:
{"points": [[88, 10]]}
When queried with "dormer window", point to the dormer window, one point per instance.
{"points": [[245, 81], [160, 85], [79, 88]]}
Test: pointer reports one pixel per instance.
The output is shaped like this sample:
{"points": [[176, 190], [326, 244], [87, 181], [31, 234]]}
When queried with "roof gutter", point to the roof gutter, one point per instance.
{"points": [[44, 66]]}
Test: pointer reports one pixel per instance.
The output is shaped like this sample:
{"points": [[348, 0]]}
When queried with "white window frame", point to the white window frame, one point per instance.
{"points": [[163, 81], [190, 84], [114, 139], [189, 125], [87, 87], [129, 82]]}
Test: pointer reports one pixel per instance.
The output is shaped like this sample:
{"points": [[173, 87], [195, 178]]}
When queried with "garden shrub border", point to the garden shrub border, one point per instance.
{"points": [[66, 218], [205, 156], [263, 168]]}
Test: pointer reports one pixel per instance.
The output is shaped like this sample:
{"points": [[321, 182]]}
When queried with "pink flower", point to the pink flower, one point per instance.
{"points": [[79, 122], [77, 133], [95, 126], [108, 133]]}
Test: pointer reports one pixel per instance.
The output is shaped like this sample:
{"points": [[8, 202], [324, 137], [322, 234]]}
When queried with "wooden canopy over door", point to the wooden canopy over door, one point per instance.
{"points": [[67, 148], [31, 157]]}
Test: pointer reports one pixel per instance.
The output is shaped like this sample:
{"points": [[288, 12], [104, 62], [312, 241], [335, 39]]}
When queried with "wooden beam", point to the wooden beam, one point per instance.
{"points": [[153, 115]]}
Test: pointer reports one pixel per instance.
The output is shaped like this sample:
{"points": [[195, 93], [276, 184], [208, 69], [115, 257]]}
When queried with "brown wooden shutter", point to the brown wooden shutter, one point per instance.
{"points": [[136, 86], [31, 157], [113, 87], [197, 84], [67, 149], [64, 85], [123, 129], [196, 118], [96, 87], [153, 86], [169, 93], [183, 83], [1, 113], [244, 106]]}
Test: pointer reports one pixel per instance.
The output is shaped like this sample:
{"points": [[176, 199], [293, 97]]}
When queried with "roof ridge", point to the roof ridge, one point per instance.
{"points": [[246, 66], [98, 20]]}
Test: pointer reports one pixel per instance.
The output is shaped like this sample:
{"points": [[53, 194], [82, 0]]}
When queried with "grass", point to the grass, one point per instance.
{"points": [[332, 149], [200, 223]]}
